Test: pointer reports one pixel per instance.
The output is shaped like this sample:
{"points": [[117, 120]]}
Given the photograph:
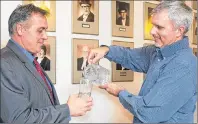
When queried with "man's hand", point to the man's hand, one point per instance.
{"points": [[112, 88], [79, 106], [96, 54]]}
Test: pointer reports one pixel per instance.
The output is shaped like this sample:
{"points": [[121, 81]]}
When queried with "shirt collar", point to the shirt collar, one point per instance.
{"points": [[173, 48], [28, 54]]}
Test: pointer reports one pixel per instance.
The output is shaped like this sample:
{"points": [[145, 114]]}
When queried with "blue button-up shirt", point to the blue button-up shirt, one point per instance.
{"points": [[30, 57], [169, 91]]}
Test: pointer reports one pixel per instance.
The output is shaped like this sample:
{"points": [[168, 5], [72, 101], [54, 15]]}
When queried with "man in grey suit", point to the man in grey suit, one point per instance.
{"points": [[27, 94]]}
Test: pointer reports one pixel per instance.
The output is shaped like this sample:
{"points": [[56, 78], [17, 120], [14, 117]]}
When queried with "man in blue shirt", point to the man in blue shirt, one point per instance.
{"points": [[27, 94], [169, 92]]}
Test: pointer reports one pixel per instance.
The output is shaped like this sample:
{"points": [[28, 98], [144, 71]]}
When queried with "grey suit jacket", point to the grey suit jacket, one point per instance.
{"points": [[24, 95]]}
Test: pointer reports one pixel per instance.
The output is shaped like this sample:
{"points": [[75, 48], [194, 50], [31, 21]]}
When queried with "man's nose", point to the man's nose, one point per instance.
{"points": [[45, 36], [153, 30]]}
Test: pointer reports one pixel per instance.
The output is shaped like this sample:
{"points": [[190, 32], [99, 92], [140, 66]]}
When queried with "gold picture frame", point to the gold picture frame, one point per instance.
{"points": [[148, 7], [120, 73], [85, 24], [50, 6], [194, 4], [48, 63], [80, 50], [122, 9], [194, 29], [3, 44]]}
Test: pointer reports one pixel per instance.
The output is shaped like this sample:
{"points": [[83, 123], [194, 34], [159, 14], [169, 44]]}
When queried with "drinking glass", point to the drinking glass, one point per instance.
{"points": [[85, 88]]}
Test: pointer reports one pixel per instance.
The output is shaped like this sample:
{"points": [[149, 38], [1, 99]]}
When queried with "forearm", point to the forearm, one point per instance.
{"points": [[129, 101], [16, 107], [133, 59], [166, 97], [51, 114], [28, 114], [137, 106]]}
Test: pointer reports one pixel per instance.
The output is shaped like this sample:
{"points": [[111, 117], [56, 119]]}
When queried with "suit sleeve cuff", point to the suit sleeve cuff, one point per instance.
{"points": [[65, 109]]}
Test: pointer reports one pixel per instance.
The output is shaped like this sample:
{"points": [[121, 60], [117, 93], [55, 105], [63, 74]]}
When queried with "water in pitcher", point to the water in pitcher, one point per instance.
{"points": [[96, 74]]}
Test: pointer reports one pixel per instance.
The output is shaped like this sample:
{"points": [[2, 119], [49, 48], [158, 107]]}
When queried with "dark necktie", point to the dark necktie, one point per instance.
{"points": [[39, 70]]}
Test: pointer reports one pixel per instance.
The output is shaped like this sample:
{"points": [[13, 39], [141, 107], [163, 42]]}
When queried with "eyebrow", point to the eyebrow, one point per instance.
{"points": [[43, 28], [157, 24], [86, 6]]}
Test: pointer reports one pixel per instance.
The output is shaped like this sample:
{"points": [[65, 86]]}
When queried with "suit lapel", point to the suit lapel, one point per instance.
{"points": [[24, 59], [34, 72]]}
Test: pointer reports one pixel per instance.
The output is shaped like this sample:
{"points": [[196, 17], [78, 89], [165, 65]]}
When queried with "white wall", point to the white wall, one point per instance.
{"points": [[106, 107]]}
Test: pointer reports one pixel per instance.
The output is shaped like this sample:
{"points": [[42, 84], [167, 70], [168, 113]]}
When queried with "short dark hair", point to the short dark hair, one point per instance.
{"points": [[120, 9], [44, 49], [85, 2], [23, 13]]}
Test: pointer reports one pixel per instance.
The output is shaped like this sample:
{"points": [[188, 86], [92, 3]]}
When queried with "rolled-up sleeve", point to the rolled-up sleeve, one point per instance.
{"points": [[171, 92]]}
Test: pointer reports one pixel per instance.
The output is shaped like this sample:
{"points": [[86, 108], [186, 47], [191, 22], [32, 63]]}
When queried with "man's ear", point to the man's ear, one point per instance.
{"points": [[180, 31], [19, 29]]}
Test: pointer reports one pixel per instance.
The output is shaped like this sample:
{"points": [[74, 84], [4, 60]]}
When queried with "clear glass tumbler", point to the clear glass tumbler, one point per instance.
{"points": [[85, 88]]}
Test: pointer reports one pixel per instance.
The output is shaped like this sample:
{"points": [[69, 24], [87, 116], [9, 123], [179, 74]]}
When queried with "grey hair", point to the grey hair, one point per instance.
{"points": [[178, 12], [23, 13]]}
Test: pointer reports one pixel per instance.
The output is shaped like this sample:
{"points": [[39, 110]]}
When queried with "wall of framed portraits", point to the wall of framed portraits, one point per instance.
{"points": [[66, 39]]}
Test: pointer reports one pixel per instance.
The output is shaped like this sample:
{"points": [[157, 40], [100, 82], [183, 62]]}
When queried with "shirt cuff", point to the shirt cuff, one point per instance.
{"points": [[109, 53], [124, 93]]}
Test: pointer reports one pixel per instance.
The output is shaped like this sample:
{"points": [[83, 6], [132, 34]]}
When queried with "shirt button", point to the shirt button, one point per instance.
{"points": [[158, 60]]}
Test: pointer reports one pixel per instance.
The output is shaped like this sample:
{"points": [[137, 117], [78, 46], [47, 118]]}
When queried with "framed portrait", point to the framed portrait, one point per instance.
{"points": [[85, 17], [49, 6], [195, 51], [194, 4], [120, 73], [148, 7], [80, 48], [195, 28], [122, 18], [47, 57]]}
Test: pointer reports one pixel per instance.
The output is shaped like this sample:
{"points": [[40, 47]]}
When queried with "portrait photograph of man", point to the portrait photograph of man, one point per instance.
{"points": [[86, 8], [82, 56], [122, 9], [43, 57], [81, 49]]}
